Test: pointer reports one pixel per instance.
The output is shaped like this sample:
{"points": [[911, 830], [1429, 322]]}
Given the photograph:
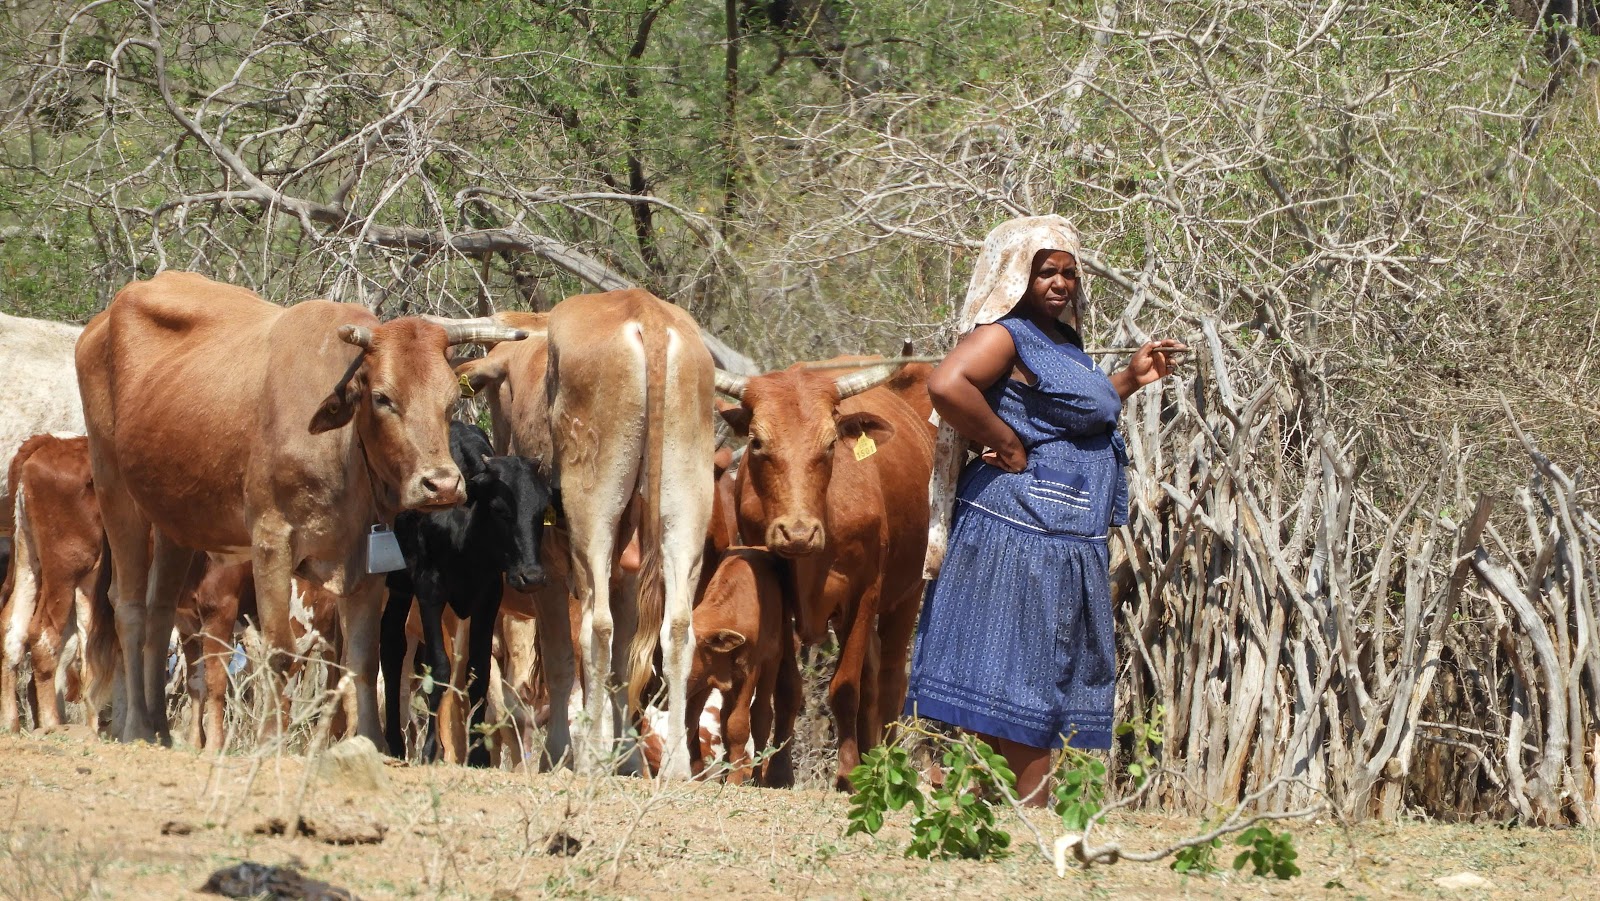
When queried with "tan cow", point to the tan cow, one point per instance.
{"points": [[39, 394], [627, 430], [835, 478], [231, 425], [630, 386]]}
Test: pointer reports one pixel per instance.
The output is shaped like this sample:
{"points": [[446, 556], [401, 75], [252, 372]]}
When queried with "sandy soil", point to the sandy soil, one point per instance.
{"points": [[85, 819]]}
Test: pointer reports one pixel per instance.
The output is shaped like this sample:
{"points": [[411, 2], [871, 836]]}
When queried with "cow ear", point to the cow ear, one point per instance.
{"points": [[737, 416], [724, 641], [485, 372], [474, 466], [854, 425], [339, 406]]}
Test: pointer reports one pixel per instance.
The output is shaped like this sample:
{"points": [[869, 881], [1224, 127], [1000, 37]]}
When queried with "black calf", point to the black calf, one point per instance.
{"points": [[458, 556]]}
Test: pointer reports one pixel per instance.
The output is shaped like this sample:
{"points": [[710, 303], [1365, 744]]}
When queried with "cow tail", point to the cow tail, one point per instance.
{"points": [[24, 553], [652, 594], [101, 652], [21, 593]]}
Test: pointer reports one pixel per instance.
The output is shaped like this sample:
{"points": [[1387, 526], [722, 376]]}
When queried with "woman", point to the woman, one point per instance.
{"points": [[1016, 641]]}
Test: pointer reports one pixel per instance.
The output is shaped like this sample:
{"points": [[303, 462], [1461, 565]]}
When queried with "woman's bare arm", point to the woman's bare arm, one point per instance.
{"points": [[979, 360]]}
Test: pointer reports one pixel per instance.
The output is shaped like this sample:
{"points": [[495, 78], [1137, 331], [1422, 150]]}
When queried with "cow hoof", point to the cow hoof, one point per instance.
{"points": [[779, 776]]}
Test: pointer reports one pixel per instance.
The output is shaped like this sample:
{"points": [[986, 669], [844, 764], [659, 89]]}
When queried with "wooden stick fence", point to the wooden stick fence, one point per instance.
{"points": [[1290, 626]]}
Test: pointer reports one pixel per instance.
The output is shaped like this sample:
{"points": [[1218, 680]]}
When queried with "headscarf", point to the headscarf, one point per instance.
{"points": [[999, 279]]}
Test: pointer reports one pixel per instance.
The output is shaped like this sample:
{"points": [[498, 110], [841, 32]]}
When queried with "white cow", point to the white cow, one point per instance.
{"points": [[38, 389]]}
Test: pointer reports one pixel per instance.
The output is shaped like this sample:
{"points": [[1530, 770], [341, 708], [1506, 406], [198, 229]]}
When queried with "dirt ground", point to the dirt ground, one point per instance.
{"points": [[85, 819]]}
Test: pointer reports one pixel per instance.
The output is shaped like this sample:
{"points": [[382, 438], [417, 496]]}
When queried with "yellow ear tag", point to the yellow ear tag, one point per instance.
{"points": [[865, 447], [549, 516], [466, 386]]}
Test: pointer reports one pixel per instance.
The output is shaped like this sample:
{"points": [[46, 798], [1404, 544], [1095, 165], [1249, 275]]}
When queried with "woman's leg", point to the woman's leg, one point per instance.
{"points": [[1031, 766]]}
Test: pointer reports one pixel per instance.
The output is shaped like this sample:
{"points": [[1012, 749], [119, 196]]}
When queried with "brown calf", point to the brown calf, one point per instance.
{"points": [[55, 587], [206, 620], [744, 649]]}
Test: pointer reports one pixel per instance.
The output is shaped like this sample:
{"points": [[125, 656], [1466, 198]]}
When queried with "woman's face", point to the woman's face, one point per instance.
{"points": [[1053, 285]]}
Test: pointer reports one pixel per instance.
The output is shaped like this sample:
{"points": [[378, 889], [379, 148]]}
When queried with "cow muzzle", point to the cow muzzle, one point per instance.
{"points": [[435, 488], [525, 578], [795, 536]]}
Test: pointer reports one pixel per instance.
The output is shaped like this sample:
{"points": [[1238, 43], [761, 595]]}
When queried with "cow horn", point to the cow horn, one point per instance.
{"points": [[866, 379], [357, 335], [477, 331], [730, 384]]}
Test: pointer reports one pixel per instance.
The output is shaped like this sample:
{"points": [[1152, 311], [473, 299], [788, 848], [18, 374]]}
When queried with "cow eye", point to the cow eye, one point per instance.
{"points": [[755, 445], [382, 400]]}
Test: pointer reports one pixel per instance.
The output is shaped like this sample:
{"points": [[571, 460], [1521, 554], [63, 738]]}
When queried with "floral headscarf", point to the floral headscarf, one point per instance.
{"points": [[999, 280]]}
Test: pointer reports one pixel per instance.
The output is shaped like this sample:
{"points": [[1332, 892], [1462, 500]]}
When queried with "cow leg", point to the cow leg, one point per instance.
{"points": [[169, 570], [480, 648], [518, 639], [686, 498], [438, 662], [192, 644], [761, 703], [69, 675], [272, 566], [44, 647], [787, 702], [396, 682], [216, 644], [868, 721], [451, 713], [844, 692], [359, 616], [692, 712], [625, 625], [557, 657], [895, 630], [592, 574], [736, 724], [681, 571], [97, 645]]}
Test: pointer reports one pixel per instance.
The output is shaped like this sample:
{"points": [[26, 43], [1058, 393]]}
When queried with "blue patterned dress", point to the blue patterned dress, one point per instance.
{"points": [[1016, 638]]}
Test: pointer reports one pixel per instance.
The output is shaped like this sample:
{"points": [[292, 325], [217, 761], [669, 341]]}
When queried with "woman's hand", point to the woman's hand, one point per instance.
{"points": [[1151, 363], [1011, 457]]}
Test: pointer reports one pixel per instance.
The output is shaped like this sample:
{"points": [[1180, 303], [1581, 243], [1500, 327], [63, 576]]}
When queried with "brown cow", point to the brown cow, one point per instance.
{"points": [[55, 588], [231, 425], [836, 479]]}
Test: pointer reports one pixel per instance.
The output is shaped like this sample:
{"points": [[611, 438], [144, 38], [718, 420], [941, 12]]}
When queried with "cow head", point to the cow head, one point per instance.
{"points": [[398, 393], [510, 498], [795, 429]]}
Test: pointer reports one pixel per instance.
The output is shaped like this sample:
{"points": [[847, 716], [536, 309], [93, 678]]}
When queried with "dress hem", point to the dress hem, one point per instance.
{"points": [[1081, 739]]}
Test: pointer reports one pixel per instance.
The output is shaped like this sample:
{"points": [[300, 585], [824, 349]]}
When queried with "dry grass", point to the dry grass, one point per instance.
{"points": [[86, 821]]}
